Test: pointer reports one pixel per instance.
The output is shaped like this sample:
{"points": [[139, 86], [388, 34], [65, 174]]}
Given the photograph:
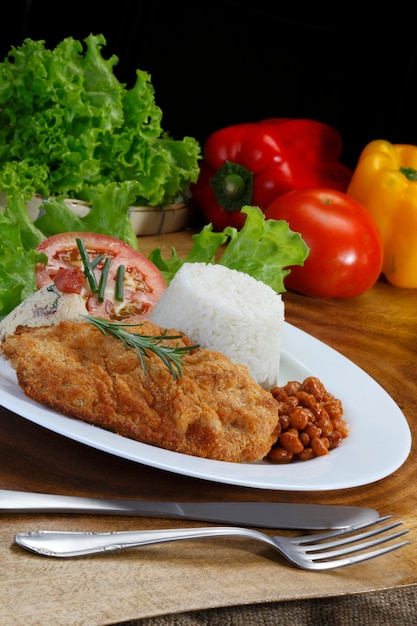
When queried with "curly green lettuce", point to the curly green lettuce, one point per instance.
{"points": [[264, 249], [18, 256], [69, 127]]}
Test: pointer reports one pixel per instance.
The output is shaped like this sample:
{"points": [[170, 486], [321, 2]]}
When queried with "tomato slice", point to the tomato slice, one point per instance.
{"points": [[143, 283]]}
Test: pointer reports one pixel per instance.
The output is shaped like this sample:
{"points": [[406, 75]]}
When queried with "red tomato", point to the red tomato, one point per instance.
{"points": [[143, 283], [345, 258], [67, 280]]}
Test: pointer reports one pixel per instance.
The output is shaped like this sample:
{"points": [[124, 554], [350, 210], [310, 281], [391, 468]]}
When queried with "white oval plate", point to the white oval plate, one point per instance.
{"points": [[368, 454]]}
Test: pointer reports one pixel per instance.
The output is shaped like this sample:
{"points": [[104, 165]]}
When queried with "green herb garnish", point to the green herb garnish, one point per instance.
{"points": [[119, 294], [96, 260], [171, 356], [103, 279], [89, 267], [88, 270]]}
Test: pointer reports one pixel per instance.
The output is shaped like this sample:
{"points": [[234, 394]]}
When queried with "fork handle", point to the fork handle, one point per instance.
{"points": [[71, 544]]}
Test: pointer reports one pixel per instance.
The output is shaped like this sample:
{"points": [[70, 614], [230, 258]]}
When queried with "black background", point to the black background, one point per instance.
{"points": [[222, 62]]}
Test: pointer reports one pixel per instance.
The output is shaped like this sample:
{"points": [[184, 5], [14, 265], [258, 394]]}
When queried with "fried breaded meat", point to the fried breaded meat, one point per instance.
{"points": [[214, 410]]}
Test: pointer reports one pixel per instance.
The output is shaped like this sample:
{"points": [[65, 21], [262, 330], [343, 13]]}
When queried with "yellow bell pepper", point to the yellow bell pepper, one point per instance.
{"points": [[385, 183]]}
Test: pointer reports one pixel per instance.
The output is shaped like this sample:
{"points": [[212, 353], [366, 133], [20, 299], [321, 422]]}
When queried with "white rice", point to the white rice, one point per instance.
{"points": [[228, 311]]}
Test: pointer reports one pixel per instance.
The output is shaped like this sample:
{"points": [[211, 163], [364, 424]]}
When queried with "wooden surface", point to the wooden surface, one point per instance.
{"points": [[377, 331]]}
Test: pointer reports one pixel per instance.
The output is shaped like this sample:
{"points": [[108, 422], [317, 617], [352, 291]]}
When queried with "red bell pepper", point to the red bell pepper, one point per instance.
{"points": [[254, 163]]}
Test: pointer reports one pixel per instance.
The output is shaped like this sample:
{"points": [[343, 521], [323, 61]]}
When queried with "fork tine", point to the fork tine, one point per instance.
{"points": [[319, 554], [316, 537], [354, 538], [315, 551], [322, 565]]}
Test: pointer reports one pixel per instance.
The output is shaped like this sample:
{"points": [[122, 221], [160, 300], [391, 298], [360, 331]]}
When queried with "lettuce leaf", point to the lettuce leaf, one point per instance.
{"points": [[109, 214], [264, 249], [18, 257], [68, 125]]}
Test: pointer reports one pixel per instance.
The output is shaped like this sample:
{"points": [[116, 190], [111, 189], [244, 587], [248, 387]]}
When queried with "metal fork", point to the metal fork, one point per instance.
{"points": [[311, 552]]}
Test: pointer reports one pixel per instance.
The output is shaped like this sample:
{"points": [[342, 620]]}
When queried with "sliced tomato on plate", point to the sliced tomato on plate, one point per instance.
{"points": [[143, 283]]}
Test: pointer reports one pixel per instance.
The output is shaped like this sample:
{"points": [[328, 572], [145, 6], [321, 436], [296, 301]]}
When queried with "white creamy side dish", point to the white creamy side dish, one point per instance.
{"points": [[44, 307]]}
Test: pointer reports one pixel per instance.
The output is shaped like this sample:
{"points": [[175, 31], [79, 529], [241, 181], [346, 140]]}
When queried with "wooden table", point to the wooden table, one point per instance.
{"points": [[377, 331]]}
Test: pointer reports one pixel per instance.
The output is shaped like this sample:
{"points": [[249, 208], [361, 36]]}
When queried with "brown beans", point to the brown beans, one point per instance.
{"points": [[311, 421], [280, 455], [290, 441], [300, 417], [320, 446]]}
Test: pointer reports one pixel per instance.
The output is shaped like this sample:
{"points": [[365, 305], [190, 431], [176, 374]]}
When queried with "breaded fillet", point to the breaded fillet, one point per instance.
{"points": [[214, 410]]}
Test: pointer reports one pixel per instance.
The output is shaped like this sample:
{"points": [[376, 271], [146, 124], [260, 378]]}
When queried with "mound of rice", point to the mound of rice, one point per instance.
{"points": [[228, 311]]}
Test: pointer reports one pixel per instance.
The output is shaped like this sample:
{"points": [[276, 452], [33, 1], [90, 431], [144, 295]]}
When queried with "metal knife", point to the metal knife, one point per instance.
{"points": [[257, 514]]}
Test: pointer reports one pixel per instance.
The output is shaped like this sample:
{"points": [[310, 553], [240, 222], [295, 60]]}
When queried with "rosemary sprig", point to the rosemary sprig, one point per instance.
{"points": [[171, 356]]}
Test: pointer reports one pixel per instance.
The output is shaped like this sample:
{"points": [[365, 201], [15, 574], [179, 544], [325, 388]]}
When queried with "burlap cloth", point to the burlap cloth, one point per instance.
{"points": [[385, 608]]}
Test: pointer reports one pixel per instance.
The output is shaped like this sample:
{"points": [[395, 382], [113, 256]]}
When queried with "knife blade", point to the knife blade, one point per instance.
{"points": [[258, 514]]}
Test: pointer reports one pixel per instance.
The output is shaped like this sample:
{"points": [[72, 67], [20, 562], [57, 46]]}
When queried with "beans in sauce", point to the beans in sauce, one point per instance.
{"points": [[311, 421]]}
